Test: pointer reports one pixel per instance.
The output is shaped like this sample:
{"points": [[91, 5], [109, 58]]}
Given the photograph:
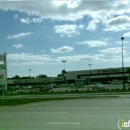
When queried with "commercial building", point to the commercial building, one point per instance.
{"points": [[99, 75], [35, 81]]}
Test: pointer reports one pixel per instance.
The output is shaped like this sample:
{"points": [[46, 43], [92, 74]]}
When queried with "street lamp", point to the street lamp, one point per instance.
{"points": [[89, 71], [30, 79], [122, 38], [64, 64], [63, 71], [30, 72]]}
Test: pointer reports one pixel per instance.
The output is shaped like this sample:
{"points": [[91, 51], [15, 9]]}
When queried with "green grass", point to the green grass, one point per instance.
{"points": [[67, 92], [22, 101], [11, 102]]}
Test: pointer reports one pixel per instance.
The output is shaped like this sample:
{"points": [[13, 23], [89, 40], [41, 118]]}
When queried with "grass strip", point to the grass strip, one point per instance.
{"points": [[21, 101]]}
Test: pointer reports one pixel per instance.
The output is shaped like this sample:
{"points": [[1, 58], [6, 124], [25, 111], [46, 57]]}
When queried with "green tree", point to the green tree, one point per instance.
{"points": [[59, 75], [128, 70], [63, 72], [16, 77], [41, 76]]}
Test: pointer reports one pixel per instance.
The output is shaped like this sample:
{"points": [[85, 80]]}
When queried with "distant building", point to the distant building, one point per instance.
{"points": [[101, 75], [35, 81], [98, 75]]}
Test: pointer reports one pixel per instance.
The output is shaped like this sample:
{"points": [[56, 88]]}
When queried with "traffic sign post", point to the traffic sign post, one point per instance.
{"points": [[3, 69], [3, 87]]}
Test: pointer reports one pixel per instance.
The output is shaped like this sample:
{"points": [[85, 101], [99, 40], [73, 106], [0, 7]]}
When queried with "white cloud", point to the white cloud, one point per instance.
{"points": [[68, 29], [66, 10], [18, 46], [62, 49], [97, 58], [26, 63], [126, 34], [120, 42], [92, 26], [19, 35], [93, 43], [16, 16], [24, 59], [25, 20], [116, 50], [118, 23], [37, 20], [28, 57], [42, 50], [28, 20]]}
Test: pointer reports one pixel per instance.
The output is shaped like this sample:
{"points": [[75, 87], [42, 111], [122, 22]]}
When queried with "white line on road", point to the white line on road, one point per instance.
{"points": [[62, 123], [45, 113]]}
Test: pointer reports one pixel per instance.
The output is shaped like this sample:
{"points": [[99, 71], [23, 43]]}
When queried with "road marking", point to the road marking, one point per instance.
{"points": [[63, 123], [45, 113]]}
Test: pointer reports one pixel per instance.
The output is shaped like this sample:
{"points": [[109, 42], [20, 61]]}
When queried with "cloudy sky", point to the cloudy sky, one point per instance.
{"points": [[40, 34]]}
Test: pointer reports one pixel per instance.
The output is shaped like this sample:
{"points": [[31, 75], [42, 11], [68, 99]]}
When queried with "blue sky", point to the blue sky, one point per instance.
{"points": [[38, 35]]}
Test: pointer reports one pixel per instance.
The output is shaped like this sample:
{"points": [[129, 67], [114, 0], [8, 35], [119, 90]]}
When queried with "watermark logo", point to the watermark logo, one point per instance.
{"points": [[123, 124]]}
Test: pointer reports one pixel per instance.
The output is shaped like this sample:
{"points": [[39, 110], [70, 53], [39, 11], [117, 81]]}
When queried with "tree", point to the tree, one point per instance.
{"points": [[16, 77], [128, 70], [59, 75], [63, 72], [41, 76]]}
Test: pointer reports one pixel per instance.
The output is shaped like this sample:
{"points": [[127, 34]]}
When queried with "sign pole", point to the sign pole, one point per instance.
{"points": [[3, 95]]}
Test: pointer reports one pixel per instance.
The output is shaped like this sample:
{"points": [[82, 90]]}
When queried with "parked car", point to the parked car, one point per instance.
{"points": [[97, 86]]}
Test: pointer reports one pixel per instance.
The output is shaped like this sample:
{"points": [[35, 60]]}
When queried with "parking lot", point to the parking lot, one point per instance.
{"points": [[63, 88]]}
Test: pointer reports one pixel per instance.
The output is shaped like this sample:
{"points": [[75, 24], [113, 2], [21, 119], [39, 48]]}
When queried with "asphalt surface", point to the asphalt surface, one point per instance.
{"points": [[112, 94], [73, 114]]}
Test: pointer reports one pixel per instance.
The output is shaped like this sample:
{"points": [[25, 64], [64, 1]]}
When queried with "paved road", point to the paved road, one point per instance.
{"points": [[76, 114], [120, 94]]}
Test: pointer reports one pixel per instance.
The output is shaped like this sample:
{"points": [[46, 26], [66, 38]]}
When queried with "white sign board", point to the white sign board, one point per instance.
{"points": [[3, 69]]}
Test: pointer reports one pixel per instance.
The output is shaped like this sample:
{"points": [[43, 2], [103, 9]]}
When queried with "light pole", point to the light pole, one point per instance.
{"points": [[64, 64], [30, 72], [30, 78], [122, 38], [63, 71], [89, 71]]}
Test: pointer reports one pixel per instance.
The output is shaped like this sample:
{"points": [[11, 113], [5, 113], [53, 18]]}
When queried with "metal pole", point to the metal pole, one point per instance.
{"points": [[64, 70], [30, 79], [122, 38], [90, 71], [3, 91], [64, 64]]}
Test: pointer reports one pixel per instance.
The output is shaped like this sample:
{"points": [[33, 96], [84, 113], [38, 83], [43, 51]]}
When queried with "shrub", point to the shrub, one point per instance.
{"points": [[72, 91], [66, 91], [117, 89], [76, 90]]}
